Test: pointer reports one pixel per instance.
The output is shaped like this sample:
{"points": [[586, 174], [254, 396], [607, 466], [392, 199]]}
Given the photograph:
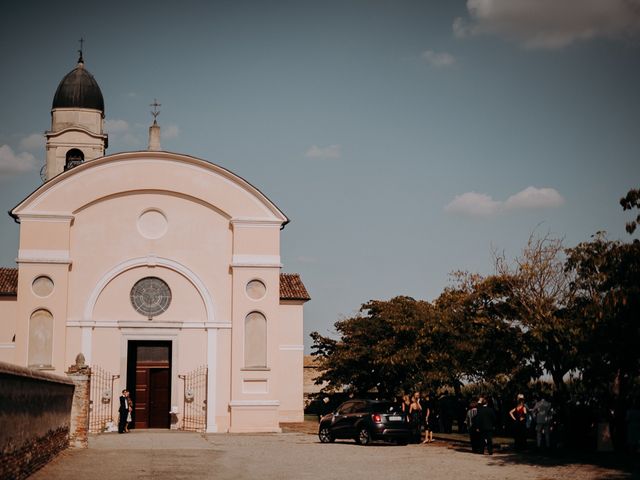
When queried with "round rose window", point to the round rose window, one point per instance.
{"points": [[151, 296]]}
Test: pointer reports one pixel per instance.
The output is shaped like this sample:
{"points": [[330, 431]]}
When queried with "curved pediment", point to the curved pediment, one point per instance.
{"points": [[136, 172]]}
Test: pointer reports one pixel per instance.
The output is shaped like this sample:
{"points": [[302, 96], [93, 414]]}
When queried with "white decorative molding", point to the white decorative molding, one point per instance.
{"points": [[86, 344], [95, 166], [88, 324], [293, 348], [44, 256], [57, 217], [212, 373], [254, 403], [271, 261], [7, 345], [148, 261], [248, 222]]}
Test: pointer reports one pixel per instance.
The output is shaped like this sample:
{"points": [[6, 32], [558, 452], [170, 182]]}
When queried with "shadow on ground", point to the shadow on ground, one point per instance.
{"points": [[625, 466]]}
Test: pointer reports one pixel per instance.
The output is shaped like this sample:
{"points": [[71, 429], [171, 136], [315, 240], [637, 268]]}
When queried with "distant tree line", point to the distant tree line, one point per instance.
{"points": [[570, 313]]}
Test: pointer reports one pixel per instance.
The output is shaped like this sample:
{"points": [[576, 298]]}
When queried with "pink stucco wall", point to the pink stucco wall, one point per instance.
{"points": [[98, 228]]}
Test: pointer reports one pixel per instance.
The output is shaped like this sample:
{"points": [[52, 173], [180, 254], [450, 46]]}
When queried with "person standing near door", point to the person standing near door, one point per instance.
{"points": [[124, 410], [129, 418]]}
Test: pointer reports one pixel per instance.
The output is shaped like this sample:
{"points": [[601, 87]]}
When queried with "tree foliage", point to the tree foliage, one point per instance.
{"points": [[630, 201], [542, 296]]}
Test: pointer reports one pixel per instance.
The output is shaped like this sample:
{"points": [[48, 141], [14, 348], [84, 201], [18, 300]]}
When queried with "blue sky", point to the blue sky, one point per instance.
{"points": [[404, 139]]}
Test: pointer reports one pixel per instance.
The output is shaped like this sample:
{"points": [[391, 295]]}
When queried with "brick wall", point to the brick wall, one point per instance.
{"points": [[80, 375], [35, 410]]}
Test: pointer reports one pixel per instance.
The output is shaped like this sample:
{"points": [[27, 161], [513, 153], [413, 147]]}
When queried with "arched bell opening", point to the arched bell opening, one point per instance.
{"points": [[73, 158]]}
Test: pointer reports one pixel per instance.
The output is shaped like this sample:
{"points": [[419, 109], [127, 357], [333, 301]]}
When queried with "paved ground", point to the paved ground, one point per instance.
{"points": [[162, 454]]}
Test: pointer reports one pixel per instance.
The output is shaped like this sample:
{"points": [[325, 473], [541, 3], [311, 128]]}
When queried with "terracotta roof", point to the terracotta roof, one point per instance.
{"points": [[292, 288], [8, 281]]}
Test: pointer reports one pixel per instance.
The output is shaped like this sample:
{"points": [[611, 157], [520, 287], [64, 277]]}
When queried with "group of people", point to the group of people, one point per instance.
{"points": [[125, 410], [523, 418], [481, 420], [540, 414], [420, 413]]}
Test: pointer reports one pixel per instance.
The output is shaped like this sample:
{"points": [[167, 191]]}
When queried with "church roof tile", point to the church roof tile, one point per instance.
{"points": [[8, 281], [292, 288]]}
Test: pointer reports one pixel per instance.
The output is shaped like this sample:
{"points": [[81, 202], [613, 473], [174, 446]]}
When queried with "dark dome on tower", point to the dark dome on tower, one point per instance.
{"points": [[78, 89]]}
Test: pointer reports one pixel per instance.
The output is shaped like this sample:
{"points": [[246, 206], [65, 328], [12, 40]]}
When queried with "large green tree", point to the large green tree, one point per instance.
{"points": [[378, 350], [476, 333]]}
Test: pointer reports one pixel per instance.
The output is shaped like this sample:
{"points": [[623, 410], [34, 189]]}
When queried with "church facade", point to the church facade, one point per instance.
{"points": [[163, 270]]}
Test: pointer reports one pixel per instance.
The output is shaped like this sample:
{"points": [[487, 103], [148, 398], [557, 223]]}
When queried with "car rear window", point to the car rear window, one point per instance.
{"points": [[385, 407]]}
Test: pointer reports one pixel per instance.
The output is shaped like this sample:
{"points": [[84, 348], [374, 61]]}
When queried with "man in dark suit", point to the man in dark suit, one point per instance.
{"points": [[125, 408], [484, 423]]}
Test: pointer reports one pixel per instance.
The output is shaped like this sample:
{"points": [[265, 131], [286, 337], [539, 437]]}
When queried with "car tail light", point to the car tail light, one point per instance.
{"points": [[376, 418]]}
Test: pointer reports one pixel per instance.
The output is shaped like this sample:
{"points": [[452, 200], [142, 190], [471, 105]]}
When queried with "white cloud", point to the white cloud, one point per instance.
{"points": [[35, 141], [550, 24], [480, 204], [532, 197], [439, 59], [115, 126], [13, 164], [473, 204], [169, 132], [330, 151]]}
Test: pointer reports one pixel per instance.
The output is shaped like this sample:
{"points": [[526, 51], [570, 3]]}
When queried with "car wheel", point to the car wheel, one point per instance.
{"points": [[364, 437], [402, 442], [325, 435]]}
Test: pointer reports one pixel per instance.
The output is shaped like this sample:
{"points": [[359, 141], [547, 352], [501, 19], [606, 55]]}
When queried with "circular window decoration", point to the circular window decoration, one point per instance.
{"points": [[256, 289], [152, 224], [151, 296], [42, 286]]}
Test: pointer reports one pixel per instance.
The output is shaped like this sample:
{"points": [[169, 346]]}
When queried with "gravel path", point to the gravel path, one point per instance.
{"points": [[175, 455]]}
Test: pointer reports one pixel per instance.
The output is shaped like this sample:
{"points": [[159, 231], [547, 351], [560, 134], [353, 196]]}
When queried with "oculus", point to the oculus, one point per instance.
{"points": [[42, 286], [256, 289], [150, 296]]}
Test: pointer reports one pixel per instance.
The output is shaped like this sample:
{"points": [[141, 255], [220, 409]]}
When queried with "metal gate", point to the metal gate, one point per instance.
{"points": [[101, 399], [194, 397]]}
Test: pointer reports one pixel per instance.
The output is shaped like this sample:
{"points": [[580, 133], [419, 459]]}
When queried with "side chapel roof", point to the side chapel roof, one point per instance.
{"points": [[8, 281]]}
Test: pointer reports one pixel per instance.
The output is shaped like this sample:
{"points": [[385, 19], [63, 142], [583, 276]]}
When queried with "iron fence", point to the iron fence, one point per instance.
{"points": [[194, 398], [101, 399]]}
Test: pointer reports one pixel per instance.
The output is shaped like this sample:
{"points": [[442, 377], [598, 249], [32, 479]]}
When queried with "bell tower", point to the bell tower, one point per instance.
{"points": [[77, 122]]}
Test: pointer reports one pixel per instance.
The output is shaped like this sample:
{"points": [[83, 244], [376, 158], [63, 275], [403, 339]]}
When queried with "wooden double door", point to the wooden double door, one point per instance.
{"points": [[149, 366]]}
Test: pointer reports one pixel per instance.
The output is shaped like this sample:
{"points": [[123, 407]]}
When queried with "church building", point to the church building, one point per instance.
{"points": [[163, 270]]}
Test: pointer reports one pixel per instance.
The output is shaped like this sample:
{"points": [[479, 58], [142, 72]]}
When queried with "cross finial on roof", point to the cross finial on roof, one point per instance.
{"points": [[155, 111], [81, 60]]}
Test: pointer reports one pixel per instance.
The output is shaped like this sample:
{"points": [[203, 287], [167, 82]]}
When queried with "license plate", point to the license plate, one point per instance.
{"points": [[395, 418]]}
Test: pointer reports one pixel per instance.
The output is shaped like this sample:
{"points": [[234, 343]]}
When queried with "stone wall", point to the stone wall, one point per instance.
{"points": [[35, 411]]}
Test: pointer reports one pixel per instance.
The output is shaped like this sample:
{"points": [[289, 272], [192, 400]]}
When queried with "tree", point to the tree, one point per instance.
{"points": [[378, 350], [480, 341], [629, 201], [607, 280], [541, 294], [403, 344]]}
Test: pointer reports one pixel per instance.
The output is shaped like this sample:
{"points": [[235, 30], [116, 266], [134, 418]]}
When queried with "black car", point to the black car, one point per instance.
{"points": [[365, 421]]}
